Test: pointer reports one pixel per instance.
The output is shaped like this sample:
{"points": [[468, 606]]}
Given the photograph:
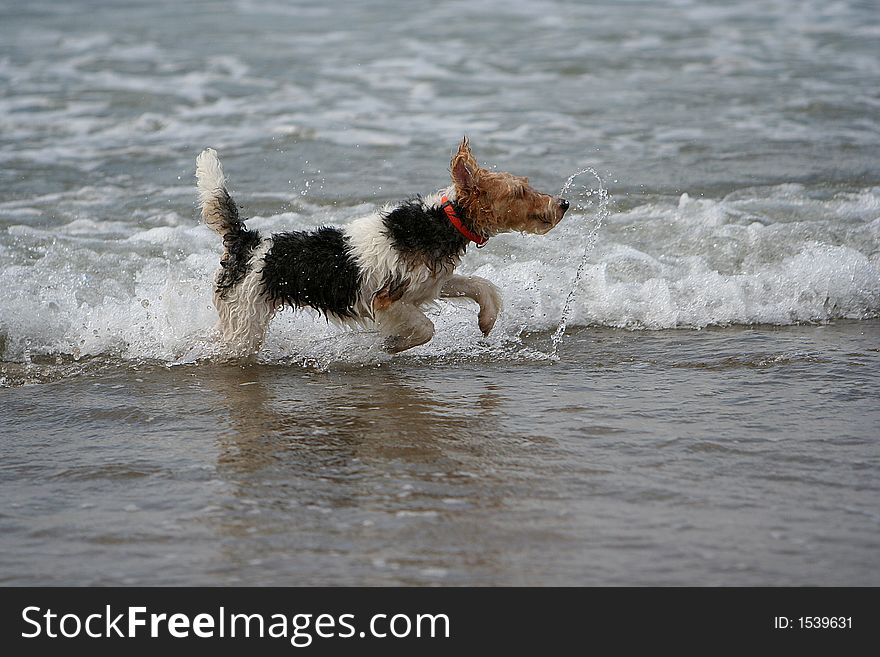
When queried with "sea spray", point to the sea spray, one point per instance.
{"points": [[587, 198]]}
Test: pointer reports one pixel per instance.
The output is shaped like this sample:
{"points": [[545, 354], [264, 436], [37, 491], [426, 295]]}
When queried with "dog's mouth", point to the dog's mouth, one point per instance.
{"points": [[542, 223], [545, 221]]}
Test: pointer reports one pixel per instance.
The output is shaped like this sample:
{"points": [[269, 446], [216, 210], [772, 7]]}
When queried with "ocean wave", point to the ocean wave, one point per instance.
{"points": [[141, 289]]}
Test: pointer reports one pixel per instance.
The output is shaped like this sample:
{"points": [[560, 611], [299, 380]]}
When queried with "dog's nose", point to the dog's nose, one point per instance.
{"points": [[563, 204]]}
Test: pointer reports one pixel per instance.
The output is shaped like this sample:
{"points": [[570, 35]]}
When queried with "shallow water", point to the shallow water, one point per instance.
{"points": [[738, 143], [722, 456]]}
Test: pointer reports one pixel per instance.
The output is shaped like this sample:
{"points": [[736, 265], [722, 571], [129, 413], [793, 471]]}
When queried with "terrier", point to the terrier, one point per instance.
{"points": [[382, 269]]}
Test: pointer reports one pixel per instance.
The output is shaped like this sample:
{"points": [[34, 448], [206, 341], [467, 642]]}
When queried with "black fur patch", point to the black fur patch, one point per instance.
{"points": [[229, 210], [314, 269], [425, 235], [240, 243]]}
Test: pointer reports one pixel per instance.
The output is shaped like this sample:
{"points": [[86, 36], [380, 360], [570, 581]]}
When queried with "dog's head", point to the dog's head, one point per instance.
{"points": [[499, 202]]}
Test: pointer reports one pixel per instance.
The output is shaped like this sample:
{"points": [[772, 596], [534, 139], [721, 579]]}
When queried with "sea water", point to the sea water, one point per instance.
{"points": [[584, 202], [682, 387]]}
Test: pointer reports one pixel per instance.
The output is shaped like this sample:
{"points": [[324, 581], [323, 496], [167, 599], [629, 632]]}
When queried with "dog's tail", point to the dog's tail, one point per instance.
{"points": [[218, 209]]}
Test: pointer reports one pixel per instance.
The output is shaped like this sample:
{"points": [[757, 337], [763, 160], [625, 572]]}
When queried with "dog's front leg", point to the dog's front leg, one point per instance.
{"points": [[403, 324], [480, 290]]}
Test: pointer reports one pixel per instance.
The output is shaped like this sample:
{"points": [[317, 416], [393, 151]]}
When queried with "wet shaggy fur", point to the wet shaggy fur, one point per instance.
{"points": [[312, 269], [423, 235], [381, 269], [239, 244]]}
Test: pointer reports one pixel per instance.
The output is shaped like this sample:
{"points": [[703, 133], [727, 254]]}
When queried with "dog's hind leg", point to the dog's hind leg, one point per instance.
{"points": [[480, 290], [244, 320], [242, 304]]}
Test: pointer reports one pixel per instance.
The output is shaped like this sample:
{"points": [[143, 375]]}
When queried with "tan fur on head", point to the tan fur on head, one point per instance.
{"points": [[499, 202]]}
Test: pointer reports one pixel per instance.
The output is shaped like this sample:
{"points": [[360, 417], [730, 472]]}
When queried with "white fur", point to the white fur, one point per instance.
{"points": [[245, 310], [213, 197], [209, 175], [379, 261]]}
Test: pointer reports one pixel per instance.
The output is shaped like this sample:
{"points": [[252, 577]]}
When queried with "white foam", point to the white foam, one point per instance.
{"points": [[145, 293]]}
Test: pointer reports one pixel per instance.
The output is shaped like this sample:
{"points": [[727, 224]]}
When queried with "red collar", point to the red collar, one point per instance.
{"points": [[448, 208]]}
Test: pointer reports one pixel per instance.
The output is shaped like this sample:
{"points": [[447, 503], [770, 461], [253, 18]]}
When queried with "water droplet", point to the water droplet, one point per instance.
{"points": [[601, 214]]}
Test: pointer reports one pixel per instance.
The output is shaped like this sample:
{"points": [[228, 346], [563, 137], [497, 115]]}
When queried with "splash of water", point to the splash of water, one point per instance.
{"points": [[589, 199]]}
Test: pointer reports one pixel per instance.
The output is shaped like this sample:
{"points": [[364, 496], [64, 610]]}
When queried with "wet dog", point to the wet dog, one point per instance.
{"points": [[381, 269]]}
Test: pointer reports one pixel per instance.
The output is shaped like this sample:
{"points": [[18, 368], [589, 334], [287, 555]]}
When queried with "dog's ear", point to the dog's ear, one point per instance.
{"points": [[464, 167]]}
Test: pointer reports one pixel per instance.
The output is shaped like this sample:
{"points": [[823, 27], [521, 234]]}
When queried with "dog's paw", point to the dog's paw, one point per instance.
{"points": [[490, 306], [487, 320], [395, 344], [489, 310]]}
